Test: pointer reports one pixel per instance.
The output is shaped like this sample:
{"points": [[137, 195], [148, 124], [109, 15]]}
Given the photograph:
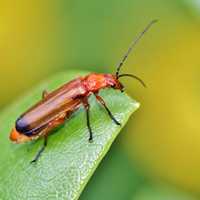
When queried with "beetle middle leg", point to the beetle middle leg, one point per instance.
{"points": [[87, 108], [102, 102]]}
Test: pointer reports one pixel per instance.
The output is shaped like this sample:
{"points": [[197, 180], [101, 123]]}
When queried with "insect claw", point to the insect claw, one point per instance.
{"points": [[118, 123], [33, 161], [90, 140]]}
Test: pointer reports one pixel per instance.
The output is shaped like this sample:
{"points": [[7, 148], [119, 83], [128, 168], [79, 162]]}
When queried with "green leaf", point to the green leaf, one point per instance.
{"points": [[116, 177], [69, 159]]}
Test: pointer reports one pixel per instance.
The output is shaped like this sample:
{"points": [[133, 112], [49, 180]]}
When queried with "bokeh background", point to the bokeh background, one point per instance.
{"points": [[157, 155]]}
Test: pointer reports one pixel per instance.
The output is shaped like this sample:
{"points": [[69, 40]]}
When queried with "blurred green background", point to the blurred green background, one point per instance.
{"points": [[157, 156]]}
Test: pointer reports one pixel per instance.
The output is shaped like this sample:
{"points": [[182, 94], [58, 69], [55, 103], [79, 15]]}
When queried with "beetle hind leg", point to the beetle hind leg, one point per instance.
{"points": [[40, 151], [60, 120]]}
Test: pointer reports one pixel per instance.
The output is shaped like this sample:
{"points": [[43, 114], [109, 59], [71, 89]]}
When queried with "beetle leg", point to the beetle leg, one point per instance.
{"points": [[41, 150], [87, 108], [44, 94], [102, 102], [45, 133]]}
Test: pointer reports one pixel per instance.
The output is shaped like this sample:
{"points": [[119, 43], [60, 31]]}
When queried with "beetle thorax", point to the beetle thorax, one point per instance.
{"points": [[95, 82]]}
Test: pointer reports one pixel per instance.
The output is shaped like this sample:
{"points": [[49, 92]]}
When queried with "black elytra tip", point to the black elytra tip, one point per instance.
{"points": [[21, 125]]}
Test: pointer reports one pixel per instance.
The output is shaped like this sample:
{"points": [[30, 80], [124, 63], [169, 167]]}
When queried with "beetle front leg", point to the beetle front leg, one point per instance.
{"points": [[87, 108], [102, 102]]}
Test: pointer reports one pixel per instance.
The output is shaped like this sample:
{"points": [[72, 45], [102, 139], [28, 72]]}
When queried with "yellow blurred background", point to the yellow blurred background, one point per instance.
{"points": [[40, 38]]}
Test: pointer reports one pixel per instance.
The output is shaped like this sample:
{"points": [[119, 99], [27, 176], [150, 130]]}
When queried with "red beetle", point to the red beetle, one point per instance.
{"points": [[57, 106]]}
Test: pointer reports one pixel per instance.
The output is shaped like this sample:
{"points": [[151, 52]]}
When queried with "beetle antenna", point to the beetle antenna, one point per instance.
{"points": [[135, 41], [133, 76]]}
